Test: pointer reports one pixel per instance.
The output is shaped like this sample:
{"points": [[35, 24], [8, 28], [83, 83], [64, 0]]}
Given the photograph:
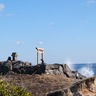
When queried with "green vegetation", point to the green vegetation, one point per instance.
{"points": [[8, 89]]}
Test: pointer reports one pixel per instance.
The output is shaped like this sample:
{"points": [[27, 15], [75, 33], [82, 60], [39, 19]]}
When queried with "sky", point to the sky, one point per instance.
{"points": [[66, 29]]}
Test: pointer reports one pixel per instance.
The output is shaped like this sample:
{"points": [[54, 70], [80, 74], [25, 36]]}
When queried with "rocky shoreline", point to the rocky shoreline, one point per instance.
{"points": [[21, 67], [47, 79]]}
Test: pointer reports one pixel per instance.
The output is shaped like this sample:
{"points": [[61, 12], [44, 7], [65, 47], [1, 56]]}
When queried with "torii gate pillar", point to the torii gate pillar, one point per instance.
{"points": [[40, 50]]}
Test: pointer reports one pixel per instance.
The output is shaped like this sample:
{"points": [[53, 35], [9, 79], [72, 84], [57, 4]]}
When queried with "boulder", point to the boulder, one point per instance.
{"points": [[28, 64], [18, 64], [59, 69], [68, 71], [78, 75], [53, 69]]}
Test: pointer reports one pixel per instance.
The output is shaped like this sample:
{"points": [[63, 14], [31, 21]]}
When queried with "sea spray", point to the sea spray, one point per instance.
{"points": [[70, 64], [87, 70]]}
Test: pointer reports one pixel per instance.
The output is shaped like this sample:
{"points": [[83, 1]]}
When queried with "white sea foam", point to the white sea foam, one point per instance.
{"points": [[87, 70]]}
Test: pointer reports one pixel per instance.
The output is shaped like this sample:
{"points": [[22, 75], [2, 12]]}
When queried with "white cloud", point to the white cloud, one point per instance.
{"points": [[19, 42], [2, 6], [40, 42], [90, 2]]}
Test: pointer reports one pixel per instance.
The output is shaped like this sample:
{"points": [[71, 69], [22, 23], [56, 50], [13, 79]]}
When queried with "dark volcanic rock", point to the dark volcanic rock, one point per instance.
{"points": [[26, 68], [62, 69]]}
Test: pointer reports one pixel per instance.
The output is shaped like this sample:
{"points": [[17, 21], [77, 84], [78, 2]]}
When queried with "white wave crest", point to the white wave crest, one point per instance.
{"points": [[87, 71]]}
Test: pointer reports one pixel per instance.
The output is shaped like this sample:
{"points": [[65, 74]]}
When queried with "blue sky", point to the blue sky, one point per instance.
{"points": [[66, 29]]}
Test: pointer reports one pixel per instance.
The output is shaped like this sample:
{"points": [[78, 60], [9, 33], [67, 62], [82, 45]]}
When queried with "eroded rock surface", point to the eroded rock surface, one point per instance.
{"points": [[86, 87], [53, 85], [21, 67], [26, 68], [62, 69]]}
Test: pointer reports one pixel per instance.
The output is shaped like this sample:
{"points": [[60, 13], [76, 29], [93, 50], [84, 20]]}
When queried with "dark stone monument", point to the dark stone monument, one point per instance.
{"points": [[14, 56]]}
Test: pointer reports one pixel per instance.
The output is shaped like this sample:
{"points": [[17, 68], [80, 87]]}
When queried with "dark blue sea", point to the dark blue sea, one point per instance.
{"points": [[88, 70]]}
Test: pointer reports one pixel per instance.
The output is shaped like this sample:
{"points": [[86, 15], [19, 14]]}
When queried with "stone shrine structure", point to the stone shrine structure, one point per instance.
{"points": [[40, 50], [14, 56]]}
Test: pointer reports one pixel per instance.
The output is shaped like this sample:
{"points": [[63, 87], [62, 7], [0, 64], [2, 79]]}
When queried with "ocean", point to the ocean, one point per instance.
{"points": [[85, 69]]}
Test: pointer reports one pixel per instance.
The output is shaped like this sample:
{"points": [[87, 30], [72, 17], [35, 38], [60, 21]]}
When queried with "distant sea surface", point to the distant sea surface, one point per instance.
{"points": [[88, 70]]}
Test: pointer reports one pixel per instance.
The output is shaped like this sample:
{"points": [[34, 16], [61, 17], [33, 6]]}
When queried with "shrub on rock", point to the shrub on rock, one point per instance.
{"points": [[8, 89]]}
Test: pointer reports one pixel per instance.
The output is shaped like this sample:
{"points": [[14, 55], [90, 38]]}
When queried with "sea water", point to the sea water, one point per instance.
{"points": [[85, 69]]}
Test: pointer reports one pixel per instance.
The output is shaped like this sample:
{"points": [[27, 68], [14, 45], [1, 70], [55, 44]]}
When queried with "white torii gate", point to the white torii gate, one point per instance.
{"points": [[40, 50]]}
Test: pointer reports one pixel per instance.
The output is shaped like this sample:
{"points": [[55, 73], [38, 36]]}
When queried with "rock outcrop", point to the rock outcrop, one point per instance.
{"points": [[86, 87], [52, 75], [26, 68], [62, 69]]}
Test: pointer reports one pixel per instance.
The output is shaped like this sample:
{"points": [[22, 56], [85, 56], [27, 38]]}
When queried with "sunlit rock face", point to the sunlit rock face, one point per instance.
{"points": [[86, 87], [62, 69]]}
